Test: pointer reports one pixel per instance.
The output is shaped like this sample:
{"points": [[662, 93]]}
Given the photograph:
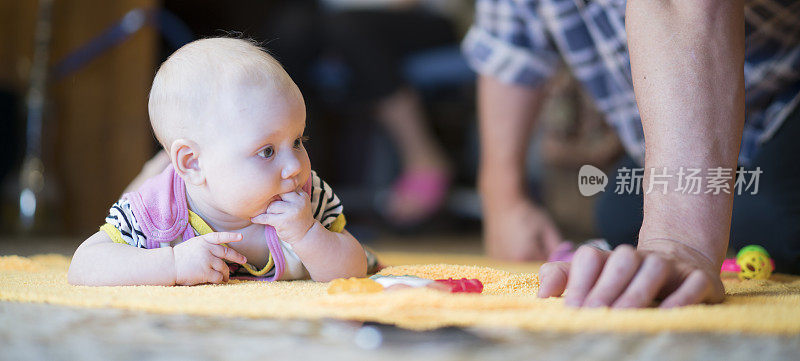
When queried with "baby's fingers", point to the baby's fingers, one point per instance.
{"points": [[219, 266], [221, 237], [264, 218], [294, 197], [277, 207], [228, 254], [214, 276]]}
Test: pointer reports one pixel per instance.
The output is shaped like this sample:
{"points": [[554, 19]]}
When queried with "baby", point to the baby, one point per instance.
{"points": [[239, 197]]}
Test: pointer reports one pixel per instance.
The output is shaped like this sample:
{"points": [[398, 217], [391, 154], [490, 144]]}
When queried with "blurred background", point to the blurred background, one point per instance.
{"points": [[391, 112]]}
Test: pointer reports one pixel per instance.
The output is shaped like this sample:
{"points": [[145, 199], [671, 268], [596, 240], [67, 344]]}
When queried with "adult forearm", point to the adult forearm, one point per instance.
{"points": [[687, 65], [506, 114]]}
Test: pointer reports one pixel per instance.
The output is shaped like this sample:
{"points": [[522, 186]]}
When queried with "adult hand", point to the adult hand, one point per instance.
{"points": [[628, 277], [519, 231]]}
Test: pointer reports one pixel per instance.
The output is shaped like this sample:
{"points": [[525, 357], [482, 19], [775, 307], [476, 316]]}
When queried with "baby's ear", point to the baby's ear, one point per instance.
{"points": [[185, 159]]}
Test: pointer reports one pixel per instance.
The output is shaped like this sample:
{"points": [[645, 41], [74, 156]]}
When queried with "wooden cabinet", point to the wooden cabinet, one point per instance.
{"points": [[97, 134]]}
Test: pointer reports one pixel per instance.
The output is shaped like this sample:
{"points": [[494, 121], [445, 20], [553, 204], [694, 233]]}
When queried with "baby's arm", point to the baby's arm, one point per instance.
{"points": [[101, 262], [329, 255], [325, 254]]}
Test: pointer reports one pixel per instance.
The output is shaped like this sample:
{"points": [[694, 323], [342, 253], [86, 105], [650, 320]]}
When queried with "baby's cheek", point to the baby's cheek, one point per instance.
{"points": [[235, 198], [245, 190], [256, 201], [252, 202]]}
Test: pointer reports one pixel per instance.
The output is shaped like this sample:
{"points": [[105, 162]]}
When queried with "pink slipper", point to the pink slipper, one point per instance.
{"points": [[417, 195]]}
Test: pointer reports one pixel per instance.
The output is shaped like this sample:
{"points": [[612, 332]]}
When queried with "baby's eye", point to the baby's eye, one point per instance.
{"points": [[267, 152], [298, 143]]}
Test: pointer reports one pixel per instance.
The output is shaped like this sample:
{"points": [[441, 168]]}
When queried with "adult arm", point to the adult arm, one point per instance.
{"points": [[514, 228], [687, 61]]}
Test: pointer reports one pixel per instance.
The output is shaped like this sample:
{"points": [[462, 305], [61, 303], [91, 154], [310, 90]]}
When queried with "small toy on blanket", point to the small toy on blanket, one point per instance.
{"points": [[379, 283], [752, 262]]}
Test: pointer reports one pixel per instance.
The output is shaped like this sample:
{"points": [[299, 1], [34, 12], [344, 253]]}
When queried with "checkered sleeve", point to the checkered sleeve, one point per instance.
{"points": [[509, 42]]}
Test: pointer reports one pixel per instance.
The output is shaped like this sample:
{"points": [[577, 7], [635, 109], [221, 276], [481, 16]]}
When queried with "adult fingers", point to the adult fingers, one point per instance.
{"points": [[220, 266], [617, 273], [645, 286], [694, 289], [221, 237], [586, 267], [553, 279], [228, 254]]}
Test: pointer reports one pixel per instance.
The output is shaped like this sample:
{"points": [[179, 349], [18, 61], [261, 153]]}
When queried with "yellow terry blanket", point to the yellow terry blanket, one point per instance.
{"points": [[765, 306]]}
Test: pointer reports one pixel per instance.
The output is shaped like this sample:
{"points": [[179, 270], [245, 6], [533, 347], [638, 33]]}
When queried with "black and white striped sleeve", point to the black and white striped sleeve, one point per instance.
{"points": [[122, 226], [325, 205]]}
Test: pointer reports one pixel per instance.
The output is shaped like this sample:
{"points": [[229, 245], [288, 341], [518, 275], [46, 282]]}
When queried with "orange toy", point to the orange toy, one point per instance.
{"points": [[354, 285]]}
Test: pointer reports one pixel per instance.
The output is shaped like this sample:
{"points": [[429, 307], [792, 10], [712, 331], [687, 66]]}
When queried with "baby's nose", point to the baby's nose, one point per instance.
{"points": [[290, 168]]}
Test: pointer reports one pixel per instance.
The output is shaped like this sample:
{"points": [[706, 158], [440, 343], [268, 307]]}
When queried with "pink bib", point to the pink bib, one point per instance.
{"points": [[160, 207]]}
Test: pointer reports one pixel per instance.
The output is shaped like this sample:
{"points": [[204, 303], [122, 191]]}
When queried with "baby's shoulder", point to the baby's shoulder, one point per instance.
{"points": [[123, 220]]}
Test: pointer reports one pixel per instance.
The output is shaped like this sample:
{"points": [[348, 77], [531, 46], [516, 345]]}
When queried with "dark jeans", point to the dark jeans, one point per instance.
{"points": [[770, 218]]}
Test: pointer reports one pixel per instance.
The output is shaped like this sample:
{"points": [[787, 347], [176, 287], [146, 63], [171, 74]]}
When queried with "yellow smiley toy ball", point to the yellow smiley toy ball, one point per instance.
{"points": [[754, 263]]}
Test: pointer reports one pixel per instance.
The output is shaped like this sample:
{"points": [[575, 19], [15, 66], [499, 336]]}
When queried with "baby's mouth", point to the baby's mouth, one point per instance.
{"points": [[277, 197], [274, 198]]}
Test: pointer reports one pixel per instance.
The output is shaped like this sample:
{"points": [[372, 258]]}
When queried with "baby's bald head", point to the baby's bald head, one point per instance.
{"points": [[200, 76]]}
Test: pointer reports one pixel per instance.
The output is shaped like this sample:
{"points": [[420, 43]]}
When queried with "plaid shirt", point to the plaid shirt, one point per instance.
{"points": [[525, 41]]}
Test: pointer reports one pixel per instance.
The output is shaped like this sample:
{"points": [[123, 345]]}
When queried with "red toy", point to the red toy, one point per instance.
{"points": [[463, 285]]}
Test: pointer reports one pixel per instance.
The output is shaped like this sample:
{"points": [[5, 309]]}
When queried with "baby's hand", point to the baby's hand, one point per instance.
{"points": [[291, 216], [201, 259]]}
